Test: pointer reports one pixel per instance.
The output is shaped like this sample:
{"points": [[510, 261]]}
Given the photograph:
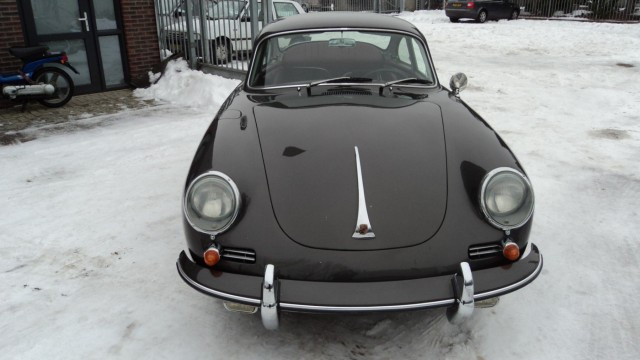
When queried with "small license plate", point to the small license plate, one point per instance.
{"points": [[456, 5]]}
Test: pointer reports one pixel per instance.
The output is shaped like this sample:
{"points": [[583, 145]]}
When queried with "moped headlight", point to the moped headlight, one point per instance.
{"points": [[506, 198], [212, 202]]}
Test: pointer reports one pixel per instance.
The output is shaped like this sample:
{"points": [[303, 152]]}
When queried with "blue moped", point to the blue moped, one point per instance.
{"points": [[39, 79]]}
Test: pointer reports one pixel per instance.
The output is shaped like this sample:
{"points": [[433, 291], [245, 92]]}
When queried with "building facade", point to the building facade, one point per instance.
{"points": [[110, 42]]}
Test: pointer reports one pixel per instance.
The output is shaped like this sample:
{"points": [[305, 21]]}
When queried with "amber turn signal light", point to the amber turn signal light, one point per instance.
{"points": [[211, 256], [511, 251]]}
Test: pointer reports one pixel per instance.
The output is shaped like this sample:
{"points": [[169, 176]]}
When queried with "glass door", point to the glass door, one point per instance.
{"points": [[89, 31], [109, 43]]}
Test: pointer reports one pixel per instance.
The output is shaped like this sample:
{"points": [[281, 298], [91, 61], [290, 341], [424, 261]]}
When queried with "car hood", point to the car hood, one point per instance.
{"points": [[310, 162]]}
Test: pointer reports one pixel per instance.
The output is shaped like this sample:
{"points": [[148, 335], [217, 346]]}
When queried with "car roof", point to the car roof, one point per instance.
{"points": [[341, 19]]}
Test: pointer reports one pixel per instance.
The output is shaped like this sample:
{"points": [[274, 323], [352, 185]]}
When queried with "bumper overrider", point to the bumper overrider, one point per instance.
{"points": [[456, 291]]}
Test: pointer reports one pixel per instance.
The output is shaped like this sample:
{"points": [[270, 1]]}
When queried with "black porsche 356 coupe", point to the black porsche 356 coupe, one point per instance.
{"points": [[341, 176]]}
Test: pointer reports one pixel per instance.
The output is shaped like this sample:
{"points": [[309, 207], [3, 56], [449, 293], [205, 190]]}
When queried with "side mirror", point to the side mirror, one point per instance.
{"points": [[458, 83]]}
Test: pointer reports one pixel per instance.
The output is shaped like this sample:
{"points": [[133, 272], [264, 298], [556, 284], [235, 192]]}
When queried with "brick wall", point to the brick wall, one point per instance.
{"points": [[10, 34], [140, 35]]}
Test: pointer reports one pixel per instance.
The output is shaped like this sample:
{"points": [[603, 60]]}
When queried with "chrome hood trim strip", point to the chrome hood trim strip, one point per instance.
{"points": [[363, 225]]}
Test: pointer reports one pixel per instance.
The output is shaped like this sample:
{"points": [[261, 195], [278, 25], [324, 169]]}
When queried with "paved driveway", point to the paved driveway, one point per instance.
{"points": [[14, 122]]}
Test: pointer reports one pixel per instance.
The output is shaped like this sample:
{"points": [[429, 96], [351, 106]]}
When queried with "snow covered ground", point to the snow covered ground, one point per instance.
{"points": [[90, 219]]}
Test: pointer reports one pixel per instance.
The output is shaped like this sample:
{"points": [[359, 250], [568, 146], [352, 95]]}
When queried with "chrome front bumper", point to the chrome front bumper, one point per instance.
{"points": [[458, 291]]}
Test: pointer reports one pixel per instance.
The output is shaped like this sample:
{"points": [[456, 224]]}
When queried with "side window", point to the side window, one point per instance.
{"points": [[421, 60], [246, 13], [284, 10], [181, 9], [403, 51], [260, 13]]}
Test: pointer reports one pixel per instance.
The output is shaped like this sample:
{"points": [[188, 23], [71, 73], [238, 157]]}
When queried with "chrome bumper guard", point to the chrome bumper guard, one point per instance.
{"points": [[464, 305], [269, 303]]}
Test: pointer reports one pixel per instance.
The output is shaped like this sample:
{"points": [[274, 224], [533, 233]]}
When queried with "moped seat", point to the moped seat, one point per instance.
{"points": [[29, 53]]}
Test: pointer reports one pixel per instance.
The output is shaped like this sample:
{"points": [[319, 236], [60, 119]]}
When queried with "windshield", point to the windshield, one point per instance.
{"points": [[225, 10], [300, 58]]}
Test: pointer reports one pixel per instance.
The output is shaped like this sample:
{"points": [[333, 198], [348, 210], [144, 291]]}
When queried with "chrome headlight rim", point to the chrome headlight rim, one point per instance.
{"points": [[236, 196], [483, 206]]}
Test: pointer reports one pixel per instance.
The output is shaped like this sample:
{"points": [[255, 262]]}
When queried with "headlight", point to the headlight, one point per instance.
{"points": [[212, 202], [506, 198]]}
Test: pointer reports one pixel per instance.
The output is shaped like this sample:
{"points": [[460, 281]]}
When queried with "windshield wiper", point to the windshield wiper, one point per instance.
{"points": [[407, 80], [342, 78]]}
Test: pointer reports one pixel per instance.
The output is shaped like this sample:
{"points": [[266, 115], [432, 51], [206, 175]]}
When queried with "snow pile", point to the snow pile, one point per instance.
{"points": [[153, 77], [179, 85], [165, 53], [425, 17]]}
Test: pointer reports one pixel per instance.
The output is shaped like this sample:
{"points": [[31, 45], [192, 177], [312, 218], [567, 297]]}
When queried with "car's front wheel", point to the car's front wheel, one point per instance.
{"points": [[514, 15], [482, 17], [453, 19]]}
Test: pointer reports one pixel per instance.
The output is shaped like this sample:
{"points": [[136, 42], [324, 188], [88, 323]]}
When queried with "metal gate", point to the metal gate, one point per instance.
{"points": [[380, 6], [220, 33], [586, 10], [210, 32]]}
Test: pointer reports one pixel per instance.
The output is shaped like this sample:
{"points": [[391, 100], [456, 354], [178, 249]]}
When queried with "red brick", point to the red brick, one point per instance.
{"points": [[10, 34], [139, 21]]}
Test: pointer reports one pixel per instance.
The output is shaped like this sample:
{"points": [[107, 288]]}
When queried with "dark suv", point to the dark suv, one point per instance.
{"points": [[482, 10]]}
